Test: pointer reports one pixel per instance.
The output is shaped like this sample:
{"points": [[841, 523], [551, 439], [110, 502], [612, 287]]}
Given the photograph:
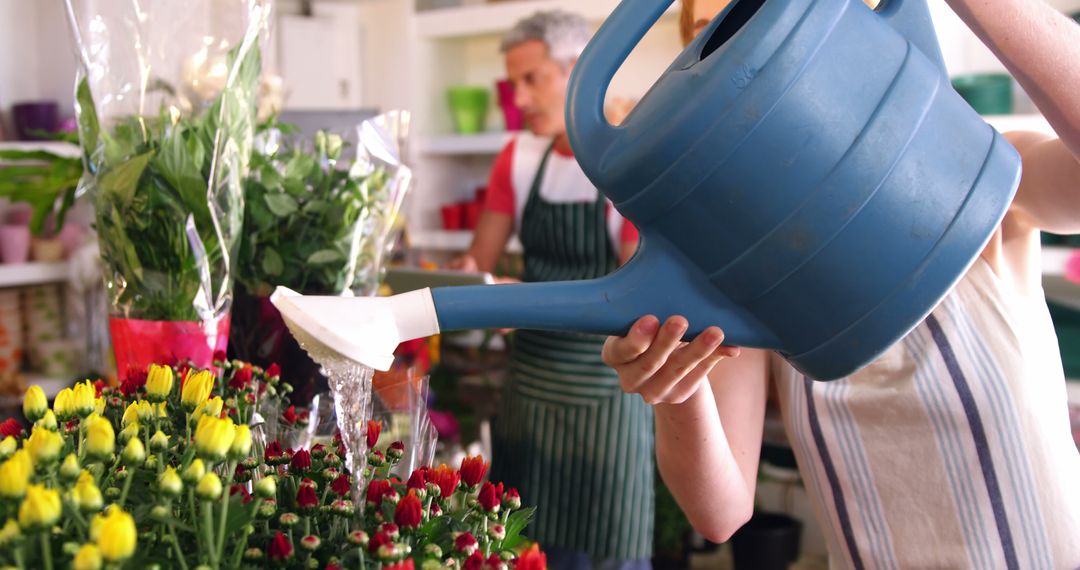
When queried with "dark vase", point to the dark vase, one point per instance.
{"points": [[769, 541], [259, 335]]}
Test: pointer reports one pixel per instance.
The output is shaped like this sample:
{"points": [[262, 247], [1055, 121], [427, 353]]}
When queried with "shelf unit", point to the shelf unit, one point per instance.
{"points": [[460, 46], [452, 241], [61, 148], [29, 274], [483, 144], [484, 19]]}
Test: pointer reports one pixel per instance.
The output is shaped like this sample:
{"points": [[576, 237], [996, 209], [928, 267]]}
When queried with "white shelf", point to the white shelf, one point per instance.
{"points": [[27, 274], [55, 147], [484, 144], [482, 19], [1035, 122], [452, 240]]}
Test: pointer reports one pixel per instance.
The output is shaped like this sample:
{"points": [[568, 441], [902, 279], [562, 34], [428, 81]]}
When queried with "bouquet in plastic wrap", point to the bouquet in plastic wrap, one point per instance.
{"points": [[318, 223], [165, 104], [314, 223]]}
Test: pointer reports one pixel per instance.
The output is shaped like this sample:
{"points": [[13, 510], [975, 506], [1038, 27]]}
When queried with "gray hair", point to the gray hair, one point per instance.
{"points": [[564, 33]]}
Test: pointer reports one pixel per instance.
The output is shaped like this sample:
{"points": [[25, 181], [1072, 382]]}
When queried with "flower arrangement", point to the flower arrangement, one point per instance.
{"points": [[169, 472]]}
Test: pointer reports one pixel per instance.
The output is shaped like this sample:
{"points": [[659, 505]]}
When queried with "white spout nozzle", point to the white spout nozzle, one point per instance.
{"points": [[363, 329]]}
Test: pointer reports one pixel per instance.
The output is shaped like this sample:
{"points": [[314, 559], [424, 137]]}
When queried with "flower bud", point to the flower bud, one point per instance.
{"points": [[86, 495], [395, 451], [289, 519], [253, 554], [214, 437], [170, 483], [87, 558], [10, 533], [35, 404], [465, 543], [497, 532], [7, 447], [131, 431], [266, 488], [48, 421], [82, 399], [70, 468], [432, 550], [209, 488], [267, 508], [343, 507], [159, 441], [197, 389], [116, 536], [62, 404], [15, 474], [40, 509], [511, 499], [194, 473], [100, 438], [134, 453], [310, 543], [160, 512], [44, 446], [159, 383], [241, 444], [210, 407], [358, 538]]}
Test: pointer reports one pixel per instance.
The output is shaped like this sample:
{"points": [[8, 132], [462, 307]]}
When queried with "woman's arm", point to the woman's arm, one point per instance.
{"points": [[709, 415], [1041, 48]]}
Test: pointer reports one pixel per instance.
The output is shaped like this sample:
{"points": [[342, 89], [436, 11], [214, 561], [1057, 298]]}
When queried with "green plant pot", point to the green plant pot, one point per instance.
{"points": [[987, 93], [469, 108]]}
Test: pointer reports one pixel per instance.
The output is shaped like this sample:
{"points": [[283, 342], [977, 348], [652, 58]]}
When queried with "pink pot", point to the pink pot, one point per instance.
{"points": [[14, 243]]}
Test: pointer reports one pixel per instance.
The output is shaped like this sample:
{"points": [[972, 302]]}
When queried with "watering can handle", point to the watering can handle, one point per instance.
{"points": [[590, 132], [912, 19]]}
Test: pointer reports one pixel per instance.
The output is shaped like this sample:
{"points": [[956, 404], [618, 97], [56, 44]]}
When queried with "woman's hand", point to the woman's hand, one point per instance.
{"points": [[464, 263], [653, 361]]}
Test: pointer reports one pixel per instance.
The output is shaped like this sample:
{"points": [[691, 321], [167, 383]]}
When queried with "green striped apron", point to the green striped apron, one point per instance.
{"points": [[573, 443]]}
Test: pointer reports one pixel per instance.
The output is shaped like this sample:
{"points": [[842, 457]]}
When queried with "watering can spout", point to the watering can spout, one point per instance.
{"points": [[656, 281]]}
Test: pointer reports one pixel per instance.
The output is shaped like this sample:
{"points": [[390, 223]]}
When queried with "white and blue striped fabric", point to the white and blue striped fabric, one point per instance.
{"points": [[953, 449]]}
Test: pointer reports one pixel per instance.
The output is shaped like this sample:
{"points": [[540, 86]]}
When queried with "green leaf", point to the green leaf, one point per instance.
{"points": [[282, 205], [325, 256], [515, 524], [271, 262], [176, 164], [121, 181]]}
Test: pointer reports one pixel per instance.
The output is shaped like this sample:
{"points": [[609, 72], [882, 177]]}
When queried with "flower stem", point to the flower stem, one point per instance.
{"points": [[176, 547], [19, 558], [127, 486], [230, 468], [241, 545], [46, 549], [208, 531]]}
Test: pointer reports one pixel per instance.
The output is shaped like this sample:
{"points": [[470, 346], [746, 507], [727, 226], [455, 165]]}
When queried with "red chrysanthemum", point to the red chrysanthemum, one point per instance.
{"points": [[409, 510], [473, 470]]}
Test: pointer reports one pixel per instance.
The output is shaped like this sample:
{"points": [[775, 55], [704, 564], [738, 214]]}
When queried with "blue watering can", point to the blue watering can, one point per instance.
{"points": [[803, 176]]}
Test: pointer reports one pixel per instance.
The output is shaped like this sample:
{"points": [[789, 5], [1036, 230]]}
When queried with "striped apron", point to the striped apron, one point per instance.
{"points": [[952, 449], [573, 443]]}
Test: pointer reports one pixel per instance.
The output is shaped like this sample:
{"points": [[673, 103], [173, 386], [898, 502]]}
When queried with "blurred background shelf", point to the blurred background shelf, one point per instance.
{"points": [[484, 144], [55, 147], [480, 19], [451, 240], [29, 274]]}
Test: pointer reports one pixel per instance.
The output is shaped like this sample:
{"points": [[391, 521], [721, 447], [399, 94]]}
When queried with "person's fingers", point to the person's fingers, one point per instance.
{"points": [[691, 382], [681, 363], [645, 366], [619, 351]]}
